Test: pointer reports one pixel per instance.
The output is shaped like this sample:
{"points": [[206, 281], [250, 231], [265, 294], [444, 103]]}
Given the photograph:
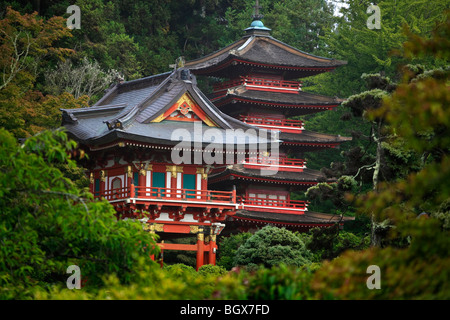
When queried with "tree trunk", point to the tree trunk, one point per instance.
{"points": [[376, 135]]}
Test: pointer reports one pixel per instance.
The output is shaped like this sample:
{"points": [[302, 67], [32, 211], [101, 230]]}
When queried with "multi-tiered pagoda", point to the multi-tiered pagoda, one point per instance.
{"points": [[159, 149], [149, 142], [259, 89]]}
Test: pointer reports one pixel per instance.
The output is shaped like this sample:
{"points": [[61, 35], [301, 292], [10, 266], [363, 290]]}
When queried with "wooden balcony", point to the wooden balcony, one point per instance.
{"points": [[273, 205], [278, 164], [261, 84], [283, 125], [171, 197]]}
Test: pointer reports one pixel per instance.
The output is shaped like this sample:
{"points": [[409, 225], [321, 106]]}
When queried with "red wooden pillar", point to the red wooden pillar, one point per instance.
{"points": [[173, 185], [200, 247], [102, 182], [129, 173], [212, 250], [91, 182], [142, 182]]}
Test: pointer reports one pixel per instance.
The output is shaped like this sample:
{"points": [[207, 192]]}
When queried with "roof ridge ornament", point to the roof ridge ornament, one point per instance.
{"points": [[257, 15], [257, 26]]}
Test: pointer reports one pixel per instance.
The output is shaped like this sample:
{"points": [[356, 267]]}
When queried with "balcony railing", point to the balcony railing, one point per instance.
{"points": [[274, 205], [283, 125], [168, 195], [272, 163], [201, 198], [252, 83]]}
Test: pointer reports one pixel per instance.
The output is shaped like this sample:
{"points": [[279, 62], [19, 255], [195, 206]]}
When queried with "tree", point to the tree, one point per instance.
{"points": [[369, 51], [47, 224], [85, 79], [418, 112], [27, 45], [272, 246], [25, 40], [228, 247]]}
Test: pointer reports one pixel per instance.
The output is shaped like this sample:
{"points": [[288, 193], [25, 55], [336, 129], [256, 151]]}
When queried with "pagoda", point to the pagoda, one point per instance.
{"points": [[134, 136], [260, 87]]}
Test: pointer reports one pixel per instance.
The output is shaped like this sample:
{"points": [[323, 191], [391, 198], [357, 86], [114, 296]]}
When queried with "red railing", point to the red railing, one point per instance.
{"points": [[284, 125], [272, 163], [253, 83], [274, 205], [154, 193]]}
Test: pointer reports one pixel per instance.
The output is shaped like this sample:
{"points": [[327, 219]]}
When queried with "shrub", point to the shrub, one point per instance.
{"points": [[272, 246], [210, 270], [277, 283], [228, 247]]}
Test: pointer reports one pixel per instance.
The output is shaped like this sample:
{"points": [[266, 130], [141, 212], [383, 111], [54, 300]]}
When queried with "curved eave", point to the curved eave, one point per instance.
{"points": [[299, 63], [307, 220], [306, 178], [232, 98]]}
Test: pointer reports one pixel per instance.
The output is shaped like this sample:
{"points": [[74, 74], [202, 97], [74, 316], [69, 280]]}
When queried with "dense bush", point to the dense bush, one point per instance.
{"points": [[277, 283], [272, 246], [210, 270], [417, 272], [48, 224], [228, 247]]}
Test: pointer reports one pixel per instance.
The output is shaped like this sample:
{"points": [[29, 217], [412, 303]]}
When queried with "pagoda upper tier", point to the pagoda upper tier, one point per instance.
{"points": [[257, 51]]}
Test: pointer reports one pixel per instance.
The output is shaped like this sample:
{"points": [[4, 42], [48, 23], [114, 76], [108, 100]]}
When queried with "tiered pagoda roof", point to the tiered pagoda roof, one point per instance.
{"points": [[260, 92], [299, 103], [138, 111], [257, 49], [304, 179], [249, 219]]}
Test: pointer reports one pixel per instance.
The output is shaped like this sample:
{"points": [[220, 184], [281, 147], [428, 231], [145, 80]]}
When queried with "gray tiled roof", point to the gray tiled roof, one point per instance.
{"points": [[300, 98], [309, 217], [308, 175], [127, 111], [264, 50]]}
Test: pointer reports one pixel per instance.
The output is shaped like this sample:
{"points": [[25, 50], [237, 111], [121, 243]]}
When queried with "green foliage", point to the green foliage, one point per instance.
{"points": [[333, 192], [419, 272], [47, 224], [369, 51], [329, 243], [272, 246], [280, 282], [179, 268], [228, 247], [210, 270], [150, 283]]}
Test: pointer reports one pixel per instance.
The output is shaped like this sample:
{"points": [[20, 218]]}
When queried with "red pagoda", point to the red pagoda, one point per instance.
{"points": [[159, 149], [259, 89], [132, 136]]}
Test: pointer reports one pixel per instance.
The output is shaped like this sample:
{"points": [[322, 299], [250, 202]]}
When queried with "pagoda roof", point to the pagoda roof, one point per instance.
{"points": [[300, 103], [238, 171], [309, 219], [312, 137], [134, 110], [261, 52]]}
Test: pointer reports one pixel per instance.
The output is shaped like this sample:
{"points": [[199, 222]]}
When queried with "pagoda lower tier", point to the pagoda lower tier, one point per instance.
{"points": [[265, 199], [148, 145], [247, 221]]}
